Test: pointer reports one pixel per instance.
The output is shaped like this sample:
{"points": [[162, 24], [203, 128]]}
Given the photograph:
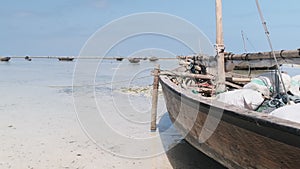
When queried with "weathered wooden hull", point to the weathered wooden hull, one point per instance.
{"points": [[241, 139]]}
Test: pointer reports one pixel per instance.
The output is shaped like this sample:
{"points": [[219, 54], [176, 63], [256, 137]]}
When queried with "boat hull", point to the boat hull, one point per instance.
{"points": [[119, 59], [5, 59], [134, 60], [153, 59], [241, 139], [65, 59]]}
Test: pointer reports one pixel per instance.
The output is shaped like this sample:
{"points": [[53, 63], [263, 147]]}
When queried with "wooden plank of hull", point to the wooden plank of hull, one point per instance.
{"points": [[239, 141]]}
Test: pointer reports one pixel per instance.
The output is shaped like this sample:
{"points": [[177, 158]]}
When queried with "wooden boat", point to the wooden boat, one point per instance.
{"points": [[65, 59], [5, 59], [242, 139], [27, 58], [119, 58], [134, 60], [236, 137], [153, 59]]}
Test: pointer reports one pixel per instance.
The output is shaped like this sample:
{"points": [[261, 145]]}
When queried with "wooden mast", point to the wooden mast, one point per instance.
{"points": [[220, 80]]}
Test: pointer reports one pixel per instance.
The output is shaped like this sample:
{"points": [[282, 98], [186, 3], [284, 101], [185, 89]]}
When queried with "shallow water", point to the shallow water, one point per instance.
{"points": [[37, 100], [41, 127]]}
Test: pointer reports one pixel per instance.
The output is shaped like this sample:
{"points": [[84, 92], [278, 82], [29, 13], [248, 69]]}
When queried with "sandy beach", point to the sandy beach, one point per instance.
{"points": [[40, 128]]}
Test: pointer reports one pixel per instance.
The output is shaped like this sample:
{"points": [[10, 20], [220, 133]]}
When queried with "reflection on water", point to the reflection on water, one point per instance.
{"points": [[182, 155]]}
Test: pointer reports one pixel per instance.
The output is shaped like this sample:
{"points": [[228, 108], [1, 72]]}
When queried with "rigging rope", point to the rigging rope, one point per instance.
{"points": [[244, 43], [267, 33]]}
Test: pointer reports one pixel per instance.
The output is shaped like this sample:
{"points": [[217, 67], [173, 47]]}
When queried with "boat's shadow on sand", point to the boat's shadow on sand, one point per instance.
{"points": [[183, 155]]}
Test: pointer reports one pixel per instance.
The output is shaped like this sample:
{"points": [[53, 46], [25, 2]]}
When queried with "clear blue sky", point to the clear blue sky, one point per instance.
{"points": [[61, 27]]}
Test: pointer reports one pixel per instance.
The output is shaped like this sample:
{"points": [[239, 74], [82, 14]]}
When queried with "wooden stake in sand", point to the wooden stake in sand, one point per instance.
{"points": [[154, 98]]}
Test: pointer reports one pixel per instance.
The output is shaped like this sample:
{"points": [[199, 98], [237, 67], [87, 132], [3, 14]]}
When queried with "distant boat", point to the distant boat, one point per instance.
{"points": [[27, 58], [5, 59], [65, 59], [153, 59], [134, 60], [119, 58]]}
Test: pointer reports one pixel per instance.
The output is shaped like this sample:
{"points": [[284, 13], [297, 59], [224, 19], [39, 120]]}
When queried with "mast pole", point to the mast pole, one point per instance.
{"points": [[220, 80]]}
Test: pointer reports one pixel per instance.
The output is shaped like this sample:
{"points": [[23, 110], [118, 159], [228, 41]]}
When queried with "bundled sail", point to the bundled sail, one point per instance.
{"points": [[262, 59], [259, 60]]}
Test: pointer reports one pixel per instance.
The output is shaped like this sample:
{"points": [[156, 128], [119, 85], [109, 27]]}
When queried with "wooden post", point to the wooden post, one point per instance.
{"points": [[220, 83], [154, 98]]}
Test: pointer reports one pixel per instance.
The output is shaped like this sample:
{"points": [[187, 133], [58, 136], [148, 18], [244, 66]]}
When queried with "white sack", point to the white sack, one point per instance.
{"points": [[243, 98], [290, 112]]}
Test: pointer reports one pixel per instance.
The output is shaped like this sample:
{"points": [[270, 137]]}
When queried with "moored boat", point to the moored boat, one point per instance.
{"points": [[237, 137], [119, 58], [5, 59], [28, 58], [134, 60], [153, 59], [65, 58], [242, 138]]}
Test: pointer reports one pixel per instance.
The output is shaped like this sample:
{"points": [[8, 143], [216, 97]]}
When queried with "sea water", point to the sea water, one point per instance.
{"points": [[32, 91], [120, 94]]}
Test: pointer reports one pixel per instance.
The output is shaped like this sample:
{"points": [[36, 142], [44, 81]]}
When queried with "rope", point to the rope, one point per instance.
{"points": [[244, 38], [267, 33], [251, 44], [244, 43]]}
